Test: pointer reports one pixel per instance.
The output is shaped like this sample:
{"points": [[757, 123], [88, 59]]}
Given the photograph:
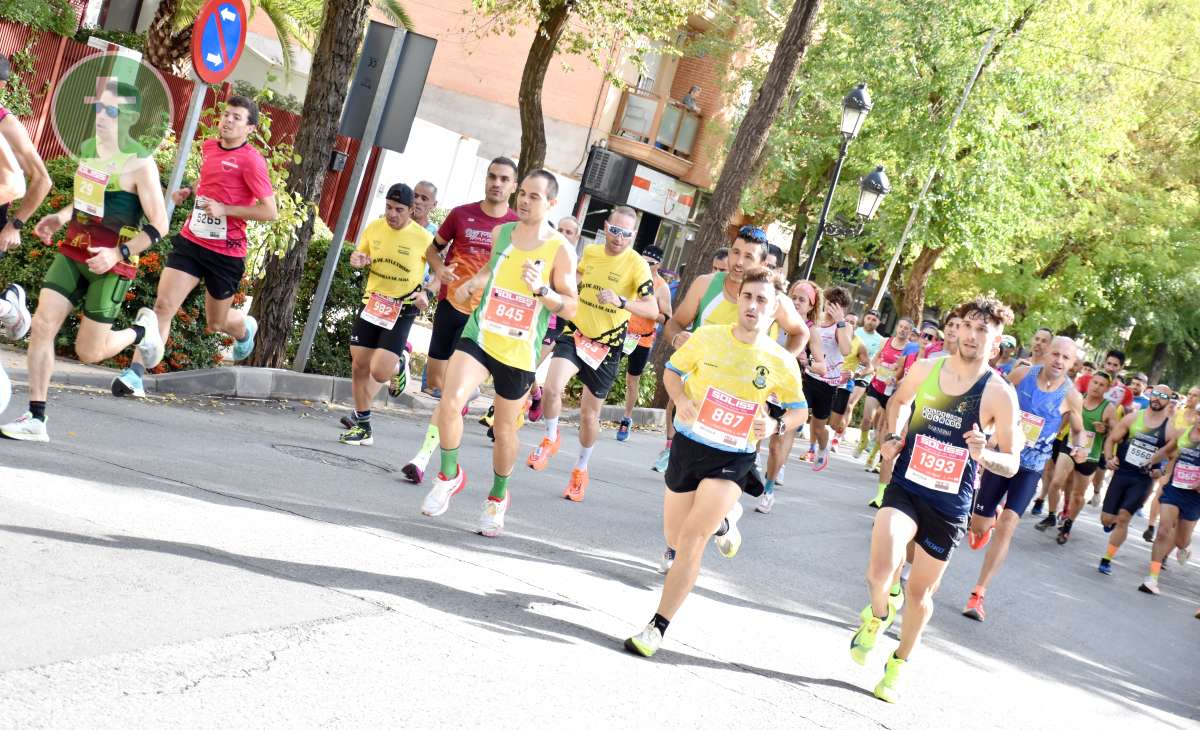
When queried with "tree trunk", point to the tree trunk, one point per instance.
{"points": [[1158, 362], [529, 96], [914, 287], [744, 155], [165, 49], [334, 58]]}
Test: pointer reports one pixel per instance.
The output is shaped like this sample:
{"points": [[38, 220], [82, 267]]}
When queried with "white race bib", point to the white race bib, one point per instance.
{"points": [[208, 227], [1137, 454]]}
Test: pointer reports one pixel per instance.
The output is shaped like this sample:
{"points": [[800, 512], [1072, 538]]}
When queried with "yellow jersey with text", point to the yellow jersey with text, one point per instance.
{"points": [[397, 258], [627, 274]]}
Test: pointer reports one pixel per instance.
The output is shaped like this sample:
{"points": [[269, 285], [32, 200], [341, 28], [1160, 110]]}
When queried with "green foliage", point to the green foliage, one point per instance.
{"points": [[136, 41], [616, 396], [56, 16], [17, 97], [267, 95], [331, 347]]}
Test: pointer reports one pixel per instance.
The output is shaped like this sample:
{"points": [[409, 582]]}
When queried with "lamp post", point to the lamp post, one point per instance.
{"points": [[855, 108]]}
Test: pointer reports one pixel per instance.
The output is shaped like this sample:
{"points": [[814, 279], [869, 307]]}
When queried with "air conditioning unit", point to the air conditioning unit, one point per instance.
{"points": [[608, 175]]}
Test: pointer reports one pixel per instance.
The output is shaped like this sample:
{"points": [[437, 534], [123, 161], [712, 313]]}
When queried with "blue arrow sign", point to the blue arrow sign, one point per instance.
{"points": [[221, 38]]}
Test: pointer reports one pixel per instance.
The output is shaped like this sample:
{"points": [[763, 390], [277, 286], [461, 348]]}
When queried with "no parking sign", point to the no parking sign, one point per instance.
{"points": [[218, 38]]}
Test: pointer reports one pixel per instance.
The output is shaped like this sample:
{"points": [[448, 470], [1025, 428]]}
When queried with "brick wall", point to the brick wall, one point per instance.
{"points": [[714, 128]]}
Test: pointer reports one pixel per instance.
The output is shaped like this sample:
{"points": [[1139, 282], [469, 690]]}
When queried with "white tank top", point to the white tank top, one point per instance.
{"points": [[833, 355]]}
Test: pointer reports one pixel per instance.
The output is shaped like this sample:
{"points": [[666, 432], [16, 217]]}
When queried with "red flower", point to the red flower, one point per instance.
{"points": [[129, 296]]}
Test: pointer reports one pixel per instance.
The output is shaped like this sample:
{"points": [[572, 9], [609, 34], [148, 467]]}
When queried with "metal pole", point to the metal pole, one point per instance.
{"points": [[916, 206], [185, 143], [374, 118], [837, 173]]}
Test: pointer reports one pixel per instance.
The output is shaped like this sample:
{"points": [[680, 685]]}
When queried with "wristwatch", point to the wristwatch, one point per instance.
{"points": [[892, 437], [622, 300], [781, 428], [841, 324], [17, 223], [541, 291], [125, 253]]}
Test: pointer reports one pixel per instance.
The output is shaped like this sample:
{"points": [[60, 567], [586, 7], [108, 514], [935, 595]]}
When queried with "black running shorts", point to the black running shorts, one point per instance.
{"points": [[598, 381], [937, 534], [366, 334], [221, 274], [448, 325], [692, 462], [510, 383]]}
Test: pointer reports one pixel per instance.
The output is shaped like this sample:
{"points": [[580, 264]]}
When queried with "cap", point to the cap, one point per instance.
{"points": [[400, 193], [1008, 341], [872, 312], [654, 253]]}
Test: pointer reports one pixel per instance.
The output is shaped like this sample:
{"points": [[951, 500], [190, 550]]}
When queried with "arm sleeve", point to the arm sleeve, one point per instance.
{"points": [[643, 281]]}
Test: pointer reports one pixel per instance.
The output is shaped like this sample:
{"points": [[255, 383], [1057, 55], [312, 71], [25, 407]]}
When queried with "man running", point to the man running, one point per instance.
{"points": [[1138, 385], [1046, 397], [424, 203], [1130, 451], [393, 248], [947, 408], [116, 184], [1180, 499], [614, 281], [234, 187], [826, 394], [1120, 396], [530, 276], [639, 338], [720, 380], [1181, 420]]}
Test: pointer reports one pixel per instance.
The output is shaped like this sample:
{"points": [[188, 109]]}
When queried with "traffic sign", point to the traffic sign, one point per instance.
{"points": [[218, 38]]}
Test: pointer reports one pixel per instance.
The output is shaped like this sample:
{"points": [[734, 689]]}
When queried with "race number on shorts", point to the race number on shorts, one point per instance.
{"points": [[937, 465], [509, 314], [725, 420]]}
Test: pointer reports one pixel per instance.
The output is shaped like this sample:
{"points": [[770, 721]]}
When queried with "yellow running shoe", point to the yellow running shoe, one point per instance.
{"points": [[888, 688], [863, 641]]}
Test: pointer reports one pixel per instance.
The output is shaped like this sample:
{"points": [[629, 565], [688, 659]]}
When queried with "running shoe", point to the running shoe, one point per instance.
{"points": [[808, 456], [1109, 527], [1064, 532], [1095, 500], [1148, 535], [860, 447], [766, 503], [16, 324], [667, 560], [487, 419], [645, 643], [863, 641], [1037, 507], [1105, 566], [873, 467], [833, 444], [974, 608], [821, 461], [896, 600], [977, 543], [348, 422], [400, 380], [243, 348], [729, 542], [623, 429], [435, 393], [1046, 524], [877, 502], [26, 428], [1183, 555], [413, 473], [577, 486], [888, 688], [357, 436], [535, 404], [128, 383], [437, 501], [660, 464], [539, 458], [1150, 585], [151, 346], [491, 521]]}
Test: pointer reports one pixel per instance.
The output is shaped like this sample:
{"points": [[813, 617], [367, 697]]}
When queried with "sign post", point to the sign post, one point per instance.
{"points": [[218, 38]]}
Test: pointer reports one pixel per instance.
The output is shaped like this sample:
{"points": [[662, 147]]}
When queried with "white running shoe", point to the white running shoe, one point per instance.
{"points": [[667, 560], [437, 501], [766, 503], [1183, 555], [491, 521], [645, 643], [729, 543], [26, 428], [1150, 585], [151, 346], [16, 324]]}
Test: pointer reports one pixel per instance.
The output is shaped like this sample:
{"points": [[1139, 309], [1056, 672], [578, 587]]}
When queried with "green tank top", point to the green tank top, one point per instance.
{"points": [[1090, 419], [714, 307], [122, 209]]}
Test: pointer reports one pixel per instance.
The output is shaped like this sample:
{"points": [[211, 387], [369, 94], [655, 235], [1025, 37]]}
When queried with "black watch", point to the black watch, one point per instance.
{"points": [[892, 437], [125, 253], [623, 301], [542, 291], [781, 428], [17, 223]]}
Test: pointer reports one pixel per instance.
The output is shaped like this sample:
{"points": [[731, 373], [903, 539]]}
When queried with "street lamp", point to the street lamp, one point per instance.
{"points": [[855, 107]]}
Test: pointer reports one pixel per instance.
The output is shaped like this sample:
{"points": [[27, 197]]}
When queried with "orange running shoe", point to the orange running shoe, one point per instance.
{"points": [[577, 486], [540, 456], [974, 608], [978, 542]]}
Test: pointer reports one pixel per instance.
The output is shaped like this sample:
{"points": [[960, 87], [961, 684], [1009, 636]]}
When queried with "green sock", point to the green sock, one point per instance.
{"points": [[879, 494], [449, 463], [499, 488], [430, 443]]}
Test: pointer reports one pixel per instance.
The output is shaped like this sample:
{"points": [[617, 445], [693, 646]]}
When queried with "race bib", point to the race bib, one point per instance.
{"points": [[90, 185], [1137, 454], [1187, 476], [1031, 426], [592, 353], [210, 227], [631, 343], [725, 420], [937, 465], [382, 311], [885, 373], [509, 314], [1089, 438]]}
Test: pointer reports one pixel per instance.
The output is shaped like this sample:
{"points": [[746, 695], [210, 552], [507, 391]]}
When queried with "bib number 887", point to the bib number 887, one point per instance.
{"points": [[729, 419]]}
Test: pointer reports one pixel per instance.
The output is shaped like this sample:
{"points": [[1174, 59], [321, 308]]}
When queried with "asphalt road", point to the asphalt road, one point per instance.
{"points": [[208, 563]]}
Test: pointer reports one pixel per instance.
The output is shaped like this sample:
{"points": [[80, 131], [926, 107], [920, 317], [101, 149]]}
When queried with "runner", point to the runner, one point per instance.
{"points": [[1003, 362], [868, 334], [569, 227], [1119, 395], [1183, 417], [720, 260], [932, 341], [1138, 385], [826, 394], [947, 406], [234, 188], [1046, 397], [720, 380], [1039, 346], [857, 363], [424, 203], [467, 231], [116, 184], [1180, 502], [531, 275], [640, 337], [393, 248], [889, 367], [614, 281], [1129, 451]]}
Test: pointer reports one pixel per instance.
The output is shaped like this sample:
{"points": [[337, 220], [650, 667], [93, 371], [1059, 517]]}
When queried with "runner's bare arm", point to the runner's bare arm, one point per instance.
{"points": [[39, 184], [899, 408], [433, 257], [1116, 434], [681, 320], [463, 294], [999, 410], [1018, 374], [148, 185], [685, 409], [1074, 406], [563, 297], [663, 295], [793, 324]]}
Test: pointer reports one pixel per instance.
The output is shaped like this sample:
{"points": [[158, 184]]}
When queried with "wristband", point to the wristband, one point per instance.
{"points": [[623, 301], [153, 233], [125, 252]]}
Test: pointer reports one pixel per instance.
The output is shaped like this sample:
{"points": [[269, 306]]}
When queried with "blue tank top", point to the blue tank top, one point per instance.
{"points": [[935, 464], [1040, 419]]}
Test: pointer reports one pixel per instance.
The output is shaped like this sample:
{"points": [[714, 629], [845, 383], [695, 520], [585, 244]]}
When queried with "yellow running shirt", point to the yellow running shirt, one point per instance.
{"points": [[397, 258], [731, 380], [627, 274], [510, 322]]}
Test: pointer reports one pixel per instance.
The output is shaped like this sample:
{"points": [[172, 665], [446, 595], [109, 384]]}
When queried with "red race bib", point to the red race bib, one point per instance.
{"points": [[936, 464], [382, 311], [509, 314], [725, 420], [592, 353]]}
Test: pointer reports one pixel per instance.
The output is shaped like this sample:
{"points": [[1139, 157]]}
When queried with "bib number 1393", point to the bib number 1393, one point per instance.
{"points": [[937, 465]]}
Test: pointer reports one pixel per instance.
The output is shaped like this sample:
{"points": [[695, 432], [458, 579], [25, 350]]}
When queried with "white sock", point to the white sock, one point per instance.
{"points": [[552, 428], [585, 453], [905, 571]]}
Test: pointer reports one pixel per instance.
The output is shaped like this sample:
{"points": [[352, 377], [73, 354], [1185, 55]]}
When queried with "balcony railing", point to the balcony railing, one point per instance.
{"points": [[664, 124]]}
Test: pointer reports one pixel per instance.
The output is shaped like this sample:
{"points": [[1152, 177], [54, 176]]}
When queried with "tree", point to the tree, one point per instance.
{"points": [[583, 27], [334, 58]]}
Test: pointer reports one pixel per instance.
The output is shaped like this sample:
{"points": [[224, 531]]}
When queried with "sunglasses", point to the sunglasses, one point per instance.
{"points": [[927, 336], [111, 111], [1160, 394], [753, 234], [619, 232]]}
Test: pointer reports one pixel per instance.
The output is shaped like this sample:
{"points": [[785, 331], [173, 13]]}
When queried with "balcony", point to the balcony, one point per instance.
{"points": [[657, 131]]}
